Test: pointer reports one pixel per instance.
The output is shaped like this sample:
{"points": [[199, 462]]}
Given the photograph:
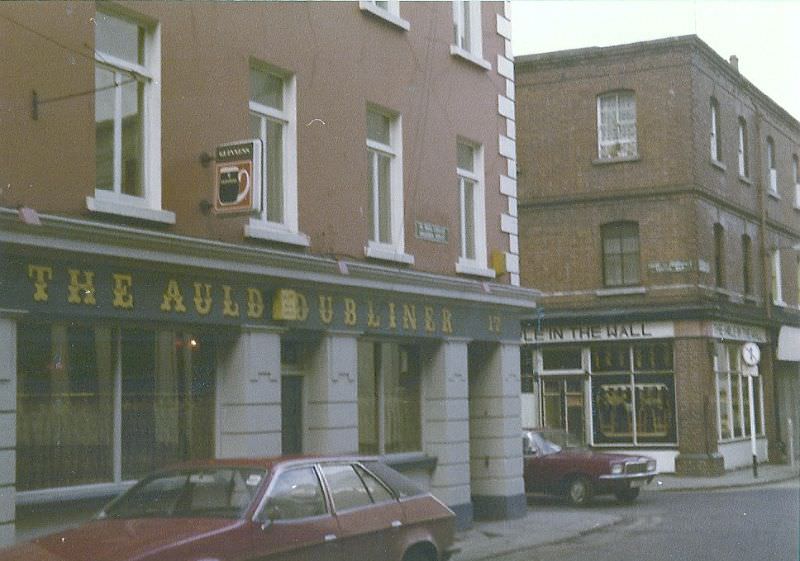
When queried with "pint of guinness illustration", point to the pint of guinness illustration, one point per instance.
{"points": [[234, 185]]}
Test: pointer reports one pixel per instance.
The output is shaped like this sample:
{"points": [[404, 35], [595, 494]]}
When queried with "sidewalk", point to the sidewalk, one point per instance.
{"points": [[487, 540]]}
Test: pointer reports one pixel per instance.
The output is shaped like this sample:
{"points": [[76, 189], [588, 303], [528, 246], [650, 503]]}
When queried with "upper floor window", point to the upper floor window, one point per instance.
{"points": [[777, 290], [388, 10], [747, 264], [796, 173], [716, 133], [771, 169], [467, 40], [719, 255], [616, 125], [385, 179], [127, 111], [472, 225], [621, 254], [744, 160], [273, 119]]}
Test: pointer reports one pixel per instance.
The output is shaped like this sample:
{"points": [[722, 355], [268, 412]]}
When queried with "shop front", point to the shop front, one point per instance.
{"points": [[646, 387], [115, 366]]}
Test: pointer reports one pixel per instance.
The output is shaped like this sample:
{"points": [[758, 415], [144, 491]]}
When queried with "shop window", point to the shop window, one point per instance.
{"points": [[620, 254], [633, 394], [527, 380], [388, 398], [563, 405], [562, 358], [733, 398], [66, 402]]}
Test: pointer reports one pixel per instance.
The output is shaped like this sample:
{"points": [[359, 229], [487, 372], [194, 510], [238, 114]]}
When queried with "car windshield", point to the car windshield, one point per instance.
{"points": [[190, 493]]}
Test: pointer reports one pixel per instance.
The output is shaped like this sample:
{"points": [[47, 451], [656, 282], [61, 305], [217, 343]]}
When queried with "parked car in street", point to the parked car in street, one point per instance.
{"points": [[242, 510], [579, 473]]}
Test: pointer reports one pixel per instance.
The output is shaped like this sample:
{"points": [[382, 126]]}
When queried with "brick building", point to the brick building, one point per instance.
{"points": [[660, 217], [253, 230]]}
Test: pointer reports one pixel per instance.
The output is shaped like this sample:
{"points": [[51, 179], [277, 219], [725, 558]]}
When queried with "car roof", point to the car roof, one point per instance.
{"points": [[270, 462]]}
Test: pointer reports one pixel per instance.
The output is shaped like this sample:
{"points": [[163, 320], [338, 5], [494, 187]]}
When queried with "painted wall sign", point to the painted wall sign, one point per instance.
{"points": [[431, 232], [581, 333], [101, 290], [238, 177]]}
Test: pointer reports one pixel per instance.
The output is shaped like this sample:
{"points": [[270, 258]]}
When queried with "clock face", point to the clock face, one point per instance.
{"points": [[751, 354]]}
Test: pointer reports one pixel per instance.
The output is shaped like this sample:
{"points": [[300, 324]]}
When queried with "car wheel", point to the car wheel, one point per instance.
{"points": [[421, 552], [579, 491], [627, 495]]}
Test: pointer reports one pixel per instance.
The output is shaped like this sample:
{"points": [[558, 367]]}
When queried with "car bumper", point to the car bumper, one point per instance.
{"points": [[622, 477]]}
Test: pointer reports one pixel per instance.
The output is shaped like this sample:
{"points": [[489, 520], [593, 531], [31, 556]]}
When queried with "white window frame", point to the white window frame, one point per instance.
{"points": [[726, 368], [777, 283], [477, 265], [390, 13], [772, 171], [394, 250], [260, 226], [716, 132], [601, 143], [744, 162], [467, 17], [147, 207]]}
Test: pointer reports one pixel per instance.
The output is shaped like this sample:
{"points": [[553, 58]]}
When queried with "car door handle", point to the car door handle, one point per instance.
{"points": [[330, 538], [396, 523]]}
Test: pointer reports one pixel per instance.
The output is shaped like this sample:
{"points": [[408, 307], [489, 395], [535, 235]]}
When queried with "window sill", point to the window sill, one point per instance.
{"points": [[467, 267], [773, 194], [457, 51], [606, 161], [745, 180], [624, 291], [384, 15], [780, 304], [262, 231], [130, 211], [387, 253], [717, 164]]}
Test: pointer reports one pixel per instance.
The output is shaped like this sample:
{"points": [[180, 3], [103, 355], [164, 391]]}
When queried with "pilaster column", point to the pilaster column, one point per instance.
{"points": [[332, 402], [495, 432], [249, 396], [445, 413], [8, 427]]}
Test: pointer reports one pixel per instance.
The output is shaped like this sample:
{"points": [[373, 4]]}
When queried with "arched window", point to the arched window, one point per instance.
{"points": [[621, 254]]}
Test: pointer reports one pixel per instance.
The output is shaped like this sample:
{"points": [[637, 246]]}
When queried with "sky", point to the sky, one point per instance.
{"points": [[764, 34]]}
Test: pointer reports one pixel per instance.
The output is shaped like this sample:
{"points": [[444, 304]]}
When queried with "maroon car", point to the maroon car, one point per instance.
{"points": [[276, 509], [578, 473]]}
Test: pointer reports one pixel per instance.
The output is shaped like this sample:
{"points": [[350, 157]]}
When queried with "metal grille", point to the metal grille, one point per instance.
{"points": [[636, 468]]}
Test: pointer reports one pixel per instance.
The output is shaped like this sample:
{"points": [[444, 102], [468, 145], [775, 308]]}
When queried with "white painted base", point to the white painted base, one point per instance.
{"points": [[739, 454]]}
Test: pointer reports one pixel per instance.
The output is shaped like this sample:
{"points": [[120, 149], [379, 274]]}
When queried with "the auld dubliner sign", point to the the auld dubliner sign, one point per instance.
{"points": [[81, 290]]}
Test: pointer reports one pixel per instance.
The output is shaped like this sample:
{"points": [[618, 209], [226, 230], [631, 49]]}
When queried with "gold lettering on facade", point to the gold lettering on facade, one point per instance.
{"points": [[229, 307], [430, 322], [410, 317], [326, 309], [255, 303], [392, 316], [173, 299], [40, 275], [123, 297], [350, 316], [302, 307], [81, 292], [373, 319], [202, 298], [447, 321]]}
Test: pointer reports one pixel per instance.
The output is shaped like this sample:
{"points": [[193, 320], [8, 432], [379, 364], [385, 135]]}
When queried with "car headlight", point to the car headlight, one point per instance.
{"points": [[651, 465], [616, 469]]}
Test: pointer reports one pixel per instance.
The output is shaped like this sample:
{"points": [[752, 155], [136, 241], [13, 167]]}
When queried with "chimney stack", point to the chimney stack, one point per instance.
{"points": [[734, 60]]}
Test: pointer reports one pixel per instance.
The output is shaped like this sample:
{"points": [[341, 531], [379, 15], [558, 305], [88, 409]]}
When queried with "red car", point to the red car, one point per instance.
{"points": [[580, 474], [276, 509]]}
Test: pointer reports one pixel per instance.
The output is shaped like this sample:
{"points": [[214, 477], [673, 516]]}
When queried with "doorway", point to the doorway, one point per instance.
{"points": [[563, 405], [291, 415]]}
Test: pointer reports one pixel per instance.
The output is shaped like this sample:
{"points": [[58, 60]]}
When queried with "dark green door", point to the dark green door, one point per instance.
{"points": [[292, 414]]}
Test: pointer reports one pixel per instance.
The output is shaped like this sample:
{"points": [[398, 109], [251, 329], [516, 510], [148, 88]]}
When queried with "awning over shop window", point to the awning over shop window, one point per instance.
{"points": [[789, 344]]}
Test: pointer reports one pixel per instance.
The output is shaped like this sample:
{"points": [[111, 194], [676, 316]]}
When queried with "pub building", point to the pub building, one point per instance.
{"points": [[673, 390], [124, 355]]}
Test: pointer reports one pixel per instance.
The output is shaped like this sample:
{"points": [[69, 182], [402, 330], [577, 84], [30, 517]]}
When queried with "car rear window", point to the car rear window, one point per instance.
{"points": [[401, 484]]}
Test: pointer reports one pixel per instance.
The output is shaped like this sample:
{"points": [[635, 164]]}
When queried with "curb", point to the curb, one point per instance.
{"points": [[727, 486]]}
